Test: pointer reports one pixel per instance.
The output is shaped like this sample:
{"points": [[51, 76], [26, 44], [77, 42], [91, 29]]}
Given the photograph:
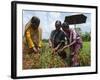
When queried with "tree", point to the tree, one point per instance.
{"points": [[86, 36]]}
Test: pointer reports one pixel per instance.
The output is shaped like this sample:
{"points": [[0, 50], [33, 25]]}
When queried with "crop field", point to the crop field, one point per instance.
{"points": [[47, 60]]}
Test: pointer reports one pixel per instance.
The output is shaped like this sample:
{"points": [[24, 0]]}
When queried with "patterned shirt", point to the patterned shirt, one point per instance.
{"points": [[73, 35]]}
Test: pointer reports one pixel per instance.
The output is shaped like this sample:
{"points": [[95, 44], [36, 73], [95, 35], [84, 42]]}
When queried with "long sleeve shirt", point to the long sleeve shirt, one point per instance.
{"points": [[33, 37]]}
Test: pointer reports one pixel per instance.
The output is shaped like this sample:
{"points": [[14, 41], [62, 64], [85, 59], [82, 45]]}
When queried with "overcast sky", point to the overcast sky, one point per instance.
{"points": [[47, 20]]}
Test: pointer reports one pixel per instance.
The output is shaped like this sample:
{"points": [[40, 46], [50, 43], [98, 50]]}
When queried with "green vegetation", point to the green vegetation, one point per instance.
{"points": [[86, 36], [85, 54], [47, 60]]}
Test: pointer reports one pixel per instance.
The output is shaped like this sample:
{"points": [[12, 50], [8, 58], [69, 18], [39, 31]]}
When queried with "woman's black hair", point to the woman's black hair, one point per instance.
{"points": [[58, 23], [65, 25], [35, 21]]}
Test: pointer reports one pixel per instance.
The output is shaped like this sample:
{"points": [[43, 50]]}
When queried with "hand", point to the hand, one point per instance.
{"points": [[38, 49], [64, 47], [35, 50], [53, 51], [50, 46]]}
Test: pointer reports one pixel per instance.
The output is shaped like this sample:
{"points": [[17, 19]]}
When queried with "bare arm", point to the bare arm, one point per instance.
{"points": [[69, 44], [50, 44], [73, 32]]}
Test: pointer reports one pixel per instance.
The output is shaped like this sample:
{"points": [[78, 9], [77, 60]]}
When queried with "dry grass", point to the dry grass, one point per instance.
{"points": [[47, 60]]}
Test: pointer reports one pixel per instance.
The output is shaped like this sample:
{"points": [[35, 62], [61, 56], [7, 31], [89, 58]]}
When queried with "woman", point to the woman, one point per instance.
{"points": [[74, 43], [32, 41]]}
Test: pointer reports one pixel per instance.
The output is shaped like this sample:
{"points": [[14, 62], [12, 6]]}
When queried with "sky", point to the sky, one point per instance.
{"points": [[47, 20]]}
